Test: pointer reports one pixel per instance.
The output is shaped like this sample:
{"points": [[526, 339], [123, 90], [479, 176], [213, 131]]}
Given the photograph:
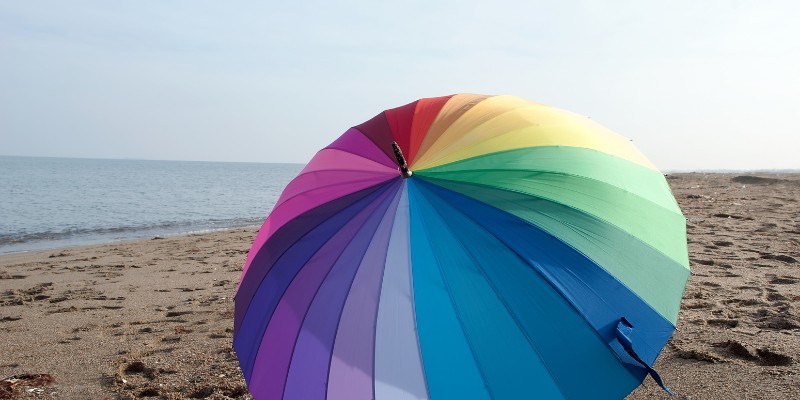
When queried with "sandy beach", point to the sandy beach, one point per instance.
{"points": [[153, 318]]}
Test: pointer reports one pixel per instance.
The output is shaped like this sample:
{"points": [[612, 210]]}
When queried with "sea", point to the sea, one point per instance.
{"points": [[50, 203]]}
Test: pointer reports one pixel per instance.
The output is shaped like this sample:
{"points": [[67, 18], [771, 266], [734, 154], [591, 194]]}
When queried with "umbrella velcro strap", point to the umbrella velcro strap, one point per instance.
{"points": [[624, 329]]}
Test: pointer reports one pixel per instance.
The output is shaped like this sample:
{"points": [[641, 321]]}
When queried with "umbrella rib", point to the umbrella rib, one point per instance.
{"points": [[345, 170], [413, 302], [453, 115], [336, 183], [559, 173], [414, 313], [391, 200], [457, 314], [305, 315], [487, 186], [375, 318], [371, 190], [444, 153], [492, 285], [345, 150], [380, 292], [278, 205], [444, 148], [551, 217], [572, 273], [316, 291], [344, 303]]}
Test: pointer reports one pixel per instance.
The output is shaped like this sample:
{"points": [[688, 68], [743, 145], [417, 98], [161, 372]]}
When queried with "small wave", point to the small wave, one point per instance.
{"points": [[125, 232]]}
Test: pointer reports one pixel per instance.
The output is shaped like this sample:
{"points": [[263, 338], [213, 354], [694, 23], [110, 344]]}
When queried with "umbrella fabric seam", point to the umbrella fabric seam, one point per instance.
{"points": [[427, 142], [644, 199], [580, 280], [502, 300], [378, 307], [333, 345], [278, 205], [371, 190], [565, 223], [422, 176], [411, 288], [458, 316], [249, 260], [247, 310], [345, 150], [675, 265], [333, 264], [380, 289], [444, 149], [432, 163], [388, 125], [492, 118], [425, 172]]}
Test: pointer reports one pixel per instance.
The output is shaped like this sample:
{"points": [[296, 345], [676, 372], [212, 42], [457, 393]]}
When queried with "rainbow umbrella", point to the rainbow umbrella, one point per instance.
{"points": [[464, 247]]}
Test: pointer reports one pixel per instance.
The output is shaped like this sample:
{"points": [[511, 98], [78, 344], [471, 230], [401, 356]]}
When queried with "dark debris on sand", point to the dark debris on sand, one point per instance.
{"points": [[11, 387]]}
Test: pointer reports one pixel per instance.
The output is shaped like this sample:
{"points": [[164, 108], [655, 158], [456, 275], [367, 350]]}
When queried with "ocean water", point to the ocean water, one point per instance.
{"points": [[48, 203]]}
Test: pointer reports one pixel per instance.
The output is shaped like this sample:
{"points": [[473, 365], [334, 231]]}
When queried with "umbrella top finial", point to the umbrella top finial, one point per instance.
{"points": [[401, 161]]}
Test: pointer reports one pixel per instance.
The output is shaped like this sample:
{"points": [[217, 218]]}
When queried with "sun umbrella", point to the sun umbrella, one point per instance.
{"points": [[464, 247]]}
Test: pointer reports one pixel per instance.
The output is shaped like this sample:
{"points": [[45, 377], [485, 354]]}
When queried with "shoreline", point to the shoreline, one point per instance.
{"points": [[153, 234], [154, 318]]}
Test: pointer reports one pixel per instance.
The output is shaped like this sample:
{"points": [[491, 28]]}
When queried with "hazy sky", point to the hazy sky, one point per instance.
{"points": [[695, 84]]}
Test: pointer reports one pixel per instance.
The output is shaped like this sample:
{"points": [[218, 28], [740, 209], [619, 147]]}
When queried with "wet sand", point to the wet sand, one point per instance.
{"points": [[153, 318]]}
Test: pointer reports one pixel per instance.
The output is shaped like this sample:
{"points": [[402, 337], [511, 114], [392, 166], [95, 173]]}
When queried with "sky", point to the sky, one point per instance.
{"points": [[697, 85]]}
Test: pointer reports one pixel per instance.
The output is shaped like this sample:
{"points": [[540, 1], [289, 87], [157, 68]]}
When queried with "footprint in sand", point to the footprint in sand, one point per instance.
{"points": [[773, 295], [178, 313], [697, 355], [6, 275], [724, 323], [138, 368], [744, 302], [702, 261], [17, 297], [770, 358], [63, 310], [756, 289], [149, 392], [779, 257], [701, 305], [69, 340], [779, 322], [734, 349], [783, 280]]}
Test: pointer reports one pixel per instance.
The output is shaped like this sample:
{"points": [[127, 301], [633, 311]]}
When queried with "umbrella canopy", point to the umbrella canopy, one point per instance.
{"points": [[499, 249]]}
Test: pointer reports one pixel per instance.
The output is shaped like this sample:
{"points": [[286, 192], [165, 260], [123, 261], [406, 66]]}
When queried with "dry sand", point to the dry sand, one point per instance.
{"points": [[153, 318], [127, 320]]}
